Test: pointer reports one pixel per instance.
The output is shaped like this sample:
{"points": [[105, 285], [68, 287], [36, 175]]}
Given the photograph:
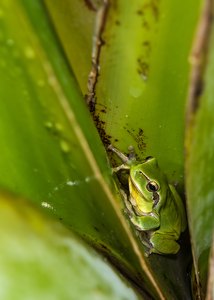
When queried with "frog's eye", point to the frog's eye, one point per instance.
{"points": [[152, 186]]}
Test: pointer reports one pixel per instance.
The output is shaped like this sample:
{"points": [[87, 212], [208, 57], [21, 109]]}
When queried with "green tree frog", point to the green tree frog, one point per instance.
{"points": [[153, 205]]}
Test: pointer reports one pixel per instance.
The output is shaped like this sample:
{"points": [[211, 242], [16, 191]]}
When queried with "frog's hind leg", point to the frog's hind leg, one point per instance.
{"points": [[164, 243]]}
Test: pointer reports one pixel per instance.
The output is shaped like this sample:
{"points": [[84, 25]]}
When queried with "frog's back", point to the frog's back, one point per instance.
{"points": [[172, 217]]}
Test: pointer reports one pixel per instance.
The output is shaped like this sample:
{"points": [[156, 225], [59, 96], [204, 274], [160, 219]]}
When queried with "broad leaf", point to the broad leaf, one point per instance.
{"points": [[50, 150], [41, 260]]}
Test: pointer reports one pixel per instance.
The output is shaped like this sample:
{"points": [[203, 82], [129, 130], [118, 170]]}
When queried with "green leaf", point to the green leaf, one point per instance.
{"points": [[210, 284], [199, 148], [140, 96], [41, 260], [74, 22], [50, 150], [142, 85]]}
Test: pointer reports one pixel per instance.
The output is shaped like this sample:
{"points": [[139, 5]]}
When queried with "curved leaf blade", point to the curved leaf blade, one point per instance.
{"points": [[143, 78], [199, 145], [49, 143], [74, 22], [141, 91], [41, 260]]}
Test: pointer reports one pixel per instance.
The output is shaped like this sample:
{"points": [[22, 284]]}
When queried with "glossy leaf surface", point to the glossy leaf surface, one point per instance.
{"points": [[50, 150], [41, 260], [142, 87]]}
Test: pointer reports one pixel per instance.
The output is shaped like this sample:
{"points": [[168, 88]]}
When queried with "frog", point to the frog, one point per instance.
{"points": [[152, 204]]}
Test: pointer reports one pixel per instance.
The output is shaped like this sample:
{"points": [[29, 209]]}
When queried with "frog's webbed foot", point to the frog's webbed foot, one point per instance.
{"points": [[127, 160], [132, 155]]}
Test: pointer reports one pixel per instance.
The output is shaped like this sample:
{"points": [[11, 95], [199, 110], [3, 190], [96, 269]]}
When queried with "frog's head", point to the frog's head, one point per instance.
{"points": [[149, 182]]}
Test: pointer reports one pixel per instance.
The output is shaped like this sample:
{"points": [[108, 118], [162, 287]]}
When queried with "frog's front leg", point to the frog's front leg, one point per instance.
{"points": [[163, 243], [121, 167], [148, 221]]}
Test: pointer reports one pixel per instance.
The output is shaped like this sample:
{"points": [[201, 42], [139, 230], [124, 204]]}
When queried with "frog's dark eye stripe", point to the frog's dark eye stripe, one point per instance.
{"points": [[152, 186], [148, 158]]}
